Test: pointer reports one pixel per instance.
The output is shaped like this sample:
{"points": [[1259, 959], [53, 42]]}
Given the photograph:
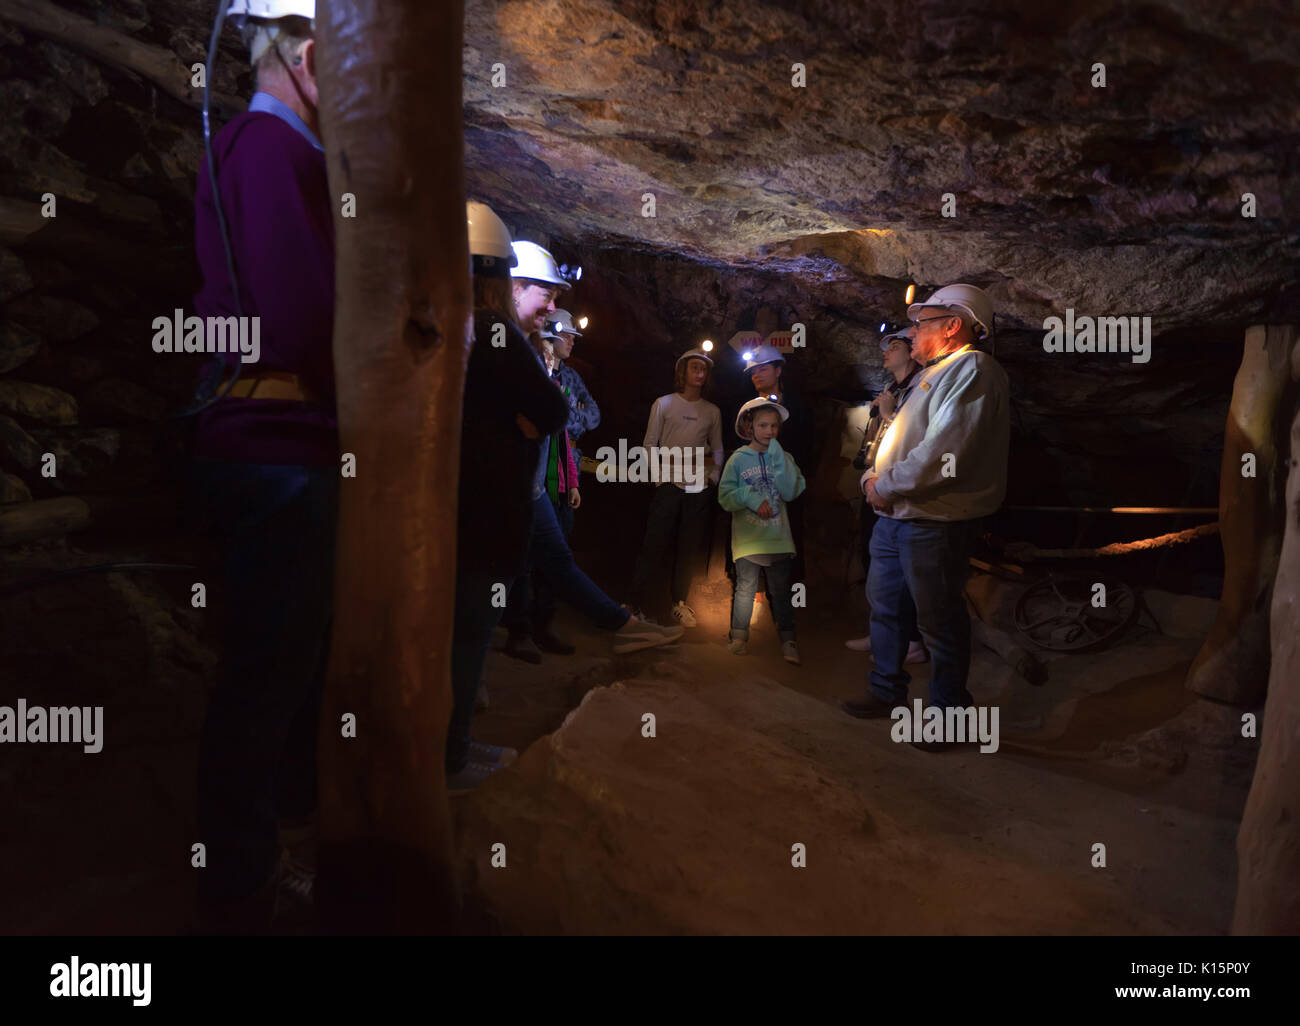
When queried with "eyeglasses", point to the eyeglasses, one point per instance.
{"points": [[917, 323]]}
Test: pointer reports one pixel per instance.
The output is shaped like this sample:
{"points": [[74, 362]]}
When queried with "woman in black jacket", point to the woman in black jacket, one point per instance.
{"points": [[510, 405]]}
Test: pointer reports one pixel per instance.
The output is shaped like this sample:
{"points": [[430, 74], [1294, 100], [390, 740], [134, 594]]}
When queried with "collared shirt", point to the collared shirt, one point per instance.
{"points": [[265, 103]]}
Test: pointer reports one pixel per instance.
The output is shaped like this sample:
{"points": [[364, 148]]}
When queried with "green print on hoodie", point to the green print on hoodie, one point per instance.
{"points": [[749, 479]]}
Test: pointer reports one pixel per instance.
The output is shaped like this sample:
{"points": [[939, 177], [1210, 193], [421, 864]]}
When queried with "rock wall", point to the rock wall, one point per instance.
{"points": [[97, 170]]}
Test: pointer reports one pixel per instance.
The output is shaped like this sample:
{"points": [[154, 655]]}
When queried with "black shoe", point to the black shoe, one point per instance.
{"points": [[869, 708], [521, 646], [549, 642]]}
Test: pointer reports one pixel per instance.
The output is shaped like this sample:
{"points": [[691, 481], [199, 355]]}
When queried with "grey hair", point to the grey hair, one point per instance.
{"points": [[263, 38]]}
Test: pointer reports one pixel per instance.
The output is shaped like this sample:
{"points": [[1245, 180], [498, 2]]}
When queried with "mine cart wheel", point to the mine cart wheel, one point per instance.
{"points": [[1057, 613]]}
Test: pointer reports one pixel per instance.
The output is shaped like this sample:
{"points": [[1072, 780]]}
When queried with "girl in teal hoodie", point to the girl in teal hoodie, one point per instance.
{"points": [[757, 482]]}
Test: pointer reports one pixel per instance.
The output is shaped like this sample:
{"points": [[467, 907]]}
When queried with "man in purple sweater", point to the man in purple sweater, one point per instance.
{"points": [[266, 477]]}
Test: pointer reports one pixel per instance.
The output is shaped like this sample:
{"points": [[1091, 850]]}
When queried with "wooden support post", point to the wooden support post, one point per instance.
{"points": [[390, 76], [1232, 665], [1268, 844]]}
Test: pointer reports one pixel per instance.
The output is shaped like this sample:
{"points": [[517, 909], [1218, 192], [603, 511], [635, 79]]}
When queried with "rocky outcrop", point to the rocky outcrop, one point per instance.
{"points": [[695, 830]]}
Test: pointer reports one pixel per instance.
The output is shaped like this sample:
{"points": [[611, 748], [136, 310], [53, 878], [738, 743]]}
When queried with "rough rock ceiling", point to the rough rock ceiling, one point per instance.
{"points": [[1123, 199]]}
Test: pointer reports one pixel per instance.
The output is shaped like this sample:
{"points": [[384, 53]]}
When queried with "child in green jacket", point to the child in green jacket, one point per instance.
{"points": [[757, 482]]}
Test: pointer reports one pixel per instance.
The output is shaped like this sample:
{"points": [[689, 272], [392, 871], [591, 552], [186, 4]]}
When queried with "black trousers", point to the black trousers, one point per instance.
{"points": [[675, 530]]}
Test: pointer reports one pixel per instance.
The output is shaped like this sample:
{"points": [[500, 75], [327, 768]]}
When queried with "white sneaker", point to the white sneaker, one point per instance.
{"points": [[470, 777], [859, 644], [684, 615], [499, 755], [639, 633], [790, 653]]}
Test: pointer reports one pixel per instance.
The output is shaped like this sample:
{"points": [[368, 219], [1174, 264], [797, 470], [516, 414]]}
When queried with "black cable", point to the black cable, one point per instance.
{"points": [[216, 203]]}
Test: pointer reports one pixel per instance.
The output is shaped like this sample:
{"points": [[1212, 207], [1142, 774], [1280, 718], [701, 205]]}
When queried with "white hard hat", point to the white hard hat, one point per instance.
{"points": [[757, 404], [271, 10], [536, 264], [562, 321], [761, 355], [697, 353], [489, 241], [256, 20], [968, 299]]}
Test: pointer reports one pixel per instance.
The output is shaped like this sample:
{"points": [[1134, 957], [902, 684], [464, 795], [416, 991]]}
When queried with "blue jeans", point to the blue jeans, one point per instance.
{"points": [[257, 751], [778, 594], [918, 571], [549, 557], [532, 600], [476, 619]]}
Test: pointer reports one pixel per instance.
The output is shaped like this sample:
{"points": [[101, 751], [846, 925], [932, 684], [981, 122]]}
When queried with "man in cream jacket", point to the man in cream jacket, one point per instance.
{"points": [[941, 466]]}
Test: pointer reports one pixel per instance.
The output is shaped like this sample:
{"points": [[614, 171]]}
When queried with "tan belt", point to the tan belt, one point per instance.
{"points": [[271, 385]]}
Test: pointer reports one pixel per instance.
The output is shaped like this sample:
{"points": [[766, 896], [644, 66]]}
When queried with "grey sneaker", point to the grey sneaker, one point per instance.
{"points": [[639, 633], [790, 653], [470, 777], [736, 646], [684, 615], [493, 755]]}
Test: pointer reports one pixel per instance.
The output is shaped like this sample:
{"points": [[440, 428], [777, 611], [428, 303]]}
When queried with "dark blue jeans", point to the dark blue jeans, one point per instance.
{"points": [[257, 752], [549, 557], [928, 562], [532, 599], [476, 619], [778, 595]]}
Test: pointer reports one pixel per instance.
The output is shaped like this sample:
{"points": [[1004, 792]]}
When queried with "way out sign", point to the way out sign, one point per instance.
{"points": [[783, 341], [744, 340]]}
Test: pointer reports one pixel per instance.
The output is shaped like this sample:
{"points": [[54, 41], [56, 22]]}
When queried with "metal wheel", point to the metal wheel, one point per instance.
{"points": [[1057, 613]]}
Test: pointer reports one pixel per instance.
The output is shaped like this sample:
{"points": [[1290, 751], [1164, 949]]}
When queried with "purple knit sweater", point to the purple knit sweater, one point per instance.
{"points": [[278, 211]]}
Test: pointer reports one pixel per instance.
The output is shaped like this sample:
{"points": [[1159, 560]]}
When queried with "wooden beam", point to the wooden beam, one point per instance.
{"points": [[46, 518], [391, 124], [155, 63], [1268, 844], [1232, 665]]}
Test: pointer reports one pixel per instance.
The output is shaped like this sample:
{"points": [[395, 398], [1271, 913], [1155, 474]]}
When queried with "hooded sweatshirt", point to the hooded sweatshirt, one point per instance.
{"points": [[749, 479]]}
